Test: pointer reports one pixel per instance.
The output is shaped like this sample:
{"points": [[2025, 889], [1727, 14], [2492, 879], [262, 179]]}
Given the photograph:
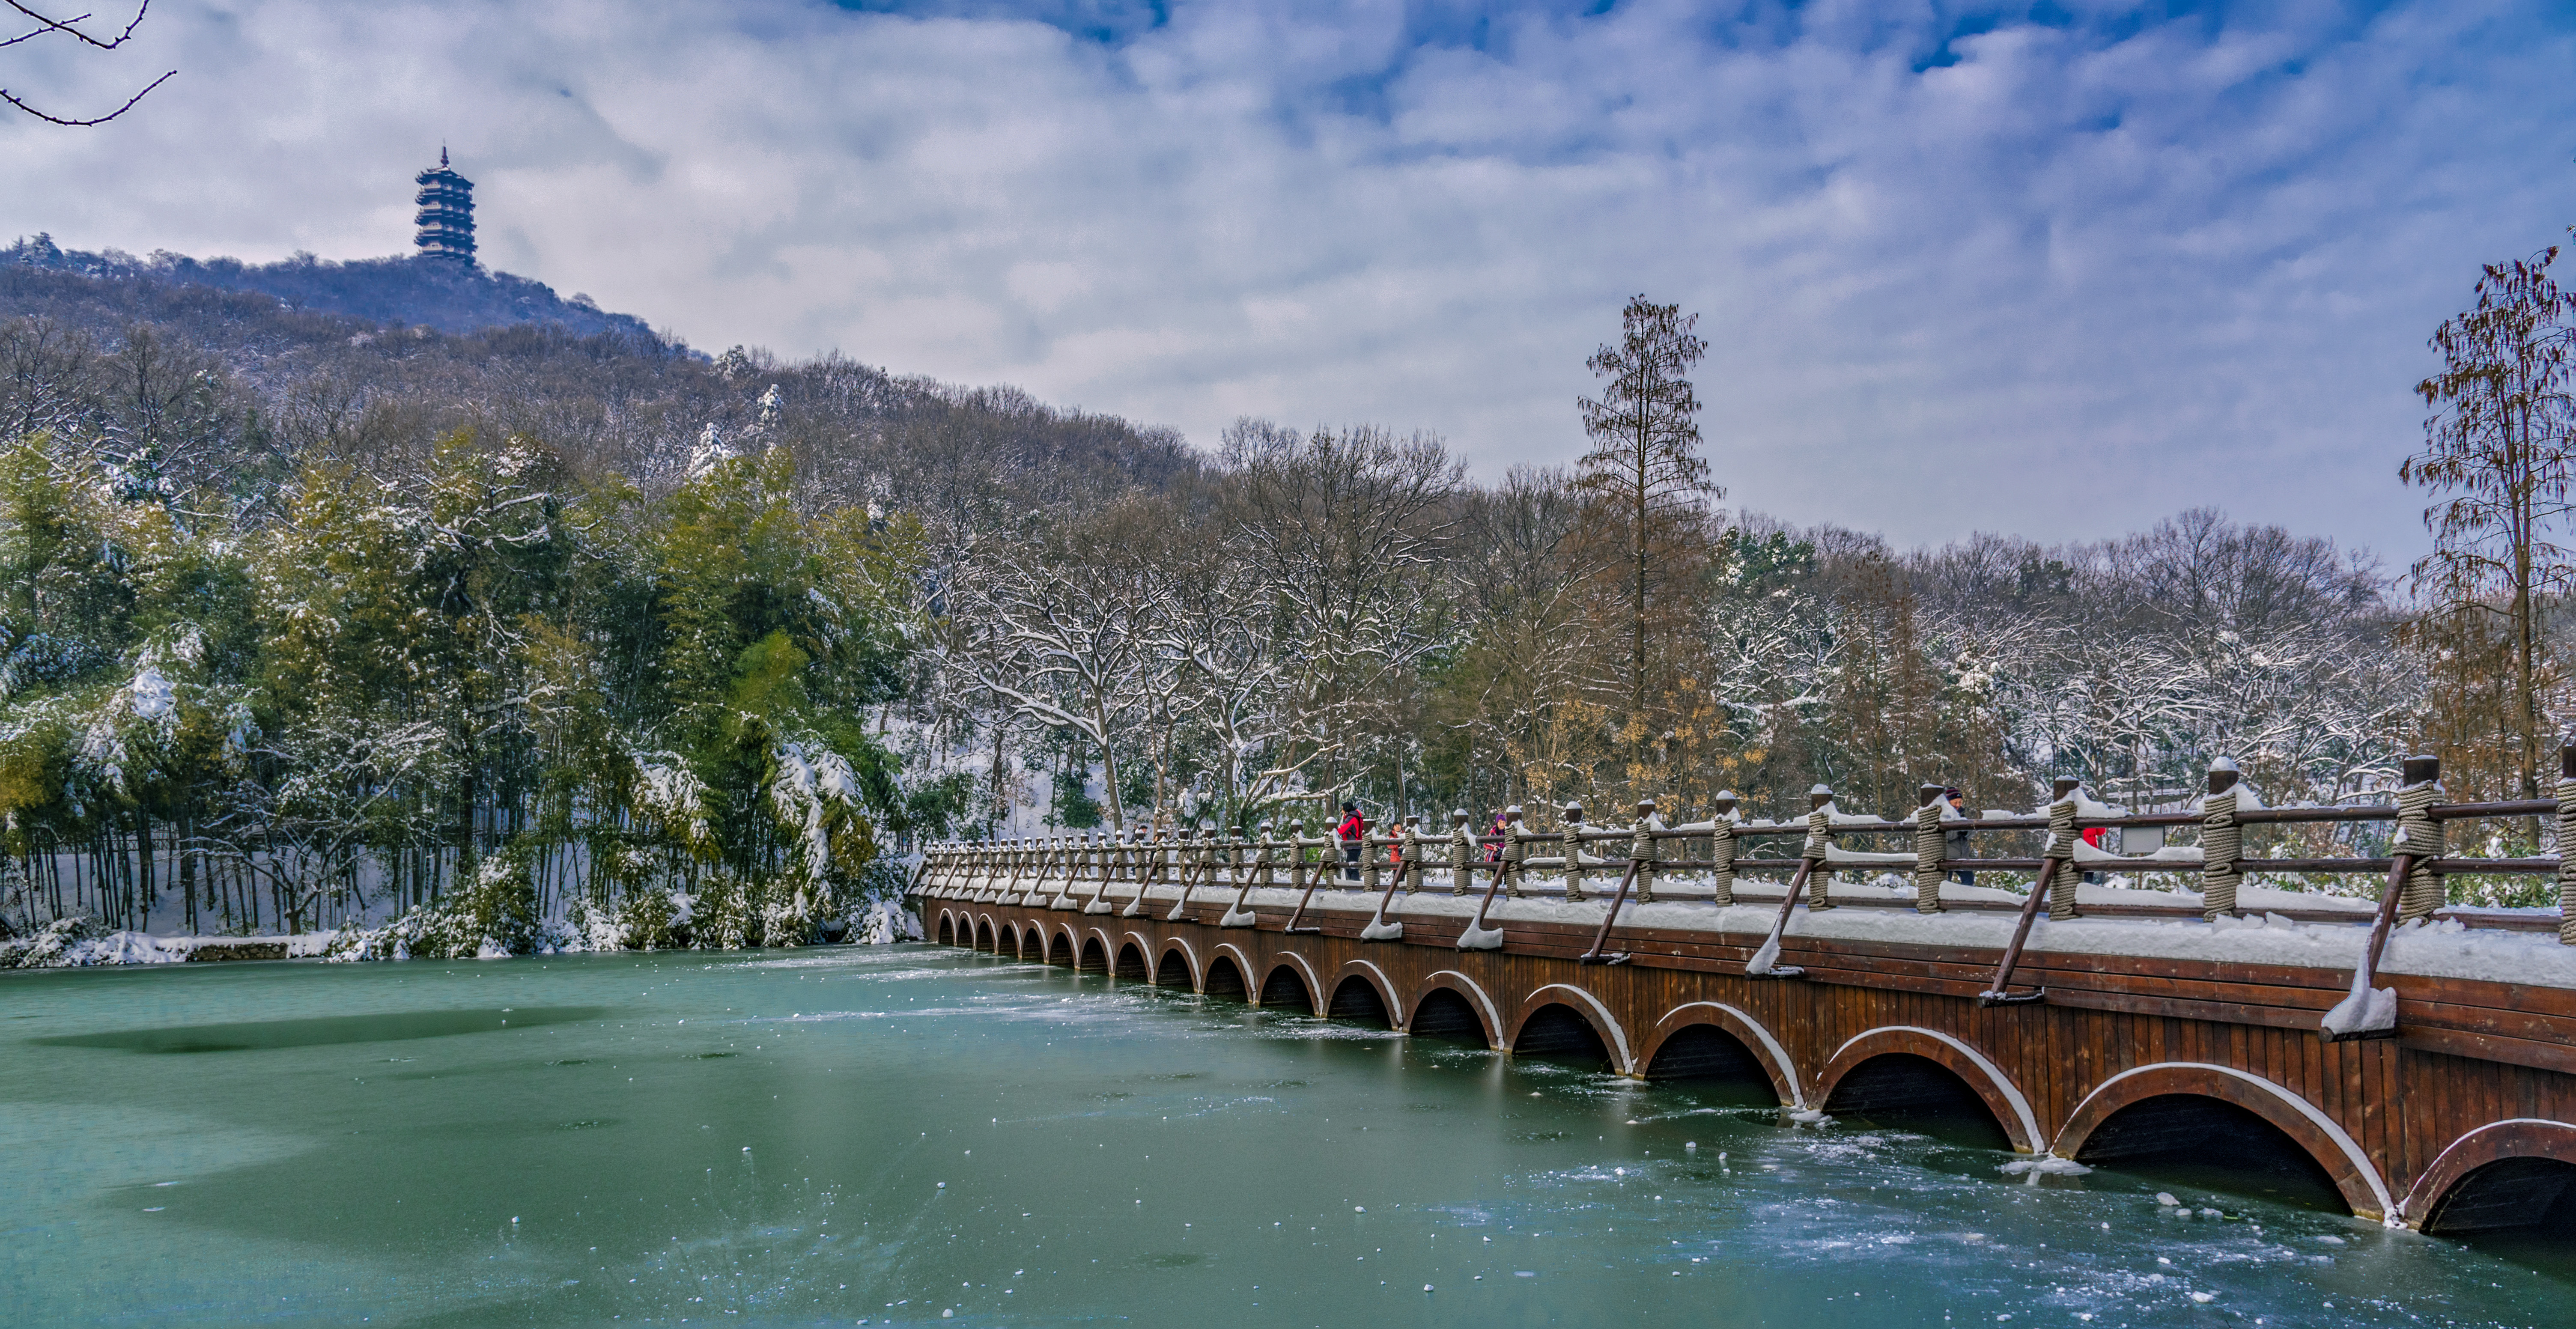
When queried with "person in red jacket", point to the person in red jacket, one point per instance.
{"points": [[1353, 829], [2093, 837]]}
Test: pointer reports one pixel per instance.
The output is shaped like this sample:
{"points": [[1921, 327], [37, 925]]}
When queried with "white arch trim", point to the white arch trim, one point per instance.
{"points": [[1627, 1061], [1493, 1018], [1190, 953], [1242, 962], [1314, 986], [2498, 1125], [1770, 1046], [2351, 1149], [1395, 1003], [1993, 1073]]}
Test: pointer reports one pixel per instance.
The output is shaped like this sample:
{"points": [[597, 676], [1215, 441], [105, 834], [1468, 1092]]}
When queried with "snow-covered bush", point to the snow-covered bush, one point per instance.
{"points": [[493, 917]]}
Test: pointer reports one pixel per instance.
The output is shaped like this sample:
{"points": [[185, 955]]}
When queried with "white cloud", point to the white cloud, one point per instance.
{"points": [[2079, 278]]}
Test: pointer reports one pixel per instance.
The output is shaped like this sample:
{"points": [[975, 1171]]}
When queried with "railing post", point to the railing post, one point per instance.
{"points": [[1515, 850], [2062, 841], [1819, 847], [1641, 850], [1412, 853], [1929, 846], [1573, 851], [1721, 847], [2222, 843], [1369, 864], [1462, 852], [2422, 837]]}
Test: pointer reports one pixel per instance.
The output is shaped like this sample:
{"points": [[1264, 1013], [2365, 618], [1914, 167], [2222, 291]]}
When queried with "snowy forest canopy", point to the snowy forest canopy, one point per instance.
{"points": [[306, 617]]}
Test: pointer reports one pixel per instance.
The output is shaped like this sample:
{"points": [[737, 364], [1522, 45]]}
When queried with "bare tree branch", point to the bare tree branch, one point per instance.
{"points": [[49, 26]]}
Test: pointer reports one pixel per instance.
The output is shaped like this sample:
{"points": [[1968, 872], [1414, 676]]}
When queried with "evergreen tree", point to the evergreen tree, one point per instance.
{"points": [[1649, 484]]}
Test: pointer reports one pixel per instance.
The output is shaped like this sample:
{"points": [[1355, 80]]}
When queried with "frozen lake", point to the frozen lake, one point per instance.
{"points": [[881, 1135]]}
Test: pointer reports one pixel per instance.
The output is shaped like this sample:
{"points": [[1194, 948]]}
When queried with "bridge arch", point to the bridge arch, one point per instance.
{"points": [[1986, 1080], [1462, 1006], [1586, 1007], [1132, 966], [1302, 970], [2515, 1173], [1382, 1006], [1094, 954], [1179, 966], [947, 928], [1229, 973], [1765, 1048], [1291, 982], [2364, 1191], [1356, 1000], [1060, 946]]}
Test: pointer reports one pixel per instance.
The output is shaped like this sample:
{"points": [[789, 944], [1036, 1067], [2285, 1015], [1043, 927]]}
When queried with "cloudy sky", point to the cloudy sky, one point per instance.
{"points": [[2057, 269]]}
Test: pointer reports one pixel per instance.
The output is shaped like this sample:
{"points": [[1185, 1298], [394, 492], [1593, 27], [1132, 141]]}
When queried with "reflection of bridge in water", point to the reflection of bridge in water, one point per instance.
{"points": [[2090, 1023]]}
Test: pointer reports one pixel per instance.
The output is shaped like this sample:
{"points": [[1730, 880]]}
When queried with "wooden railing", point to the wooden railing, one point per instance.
{"points": [[1080, 870]]}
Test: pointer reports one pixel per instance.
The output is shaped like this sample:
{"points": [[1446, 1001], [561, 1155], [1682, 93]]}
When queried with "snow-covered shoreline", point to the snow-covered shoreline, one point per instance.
{"points": [[76, 943]]}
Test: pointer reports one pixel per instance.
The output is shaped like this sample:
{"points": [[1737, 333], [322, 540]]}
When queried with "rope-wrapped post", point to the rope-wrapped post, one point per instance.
{"points": [[2222, 843], [1297, 855], [1641, 850], [2566, 845], [1369, 861], [1515, 849], [1721, 845], [1462, 852], [1574, 851], [1928, 843], [2421, 836], [2062, 841], [1412, 852], [1819, 847], [1261, 854]]}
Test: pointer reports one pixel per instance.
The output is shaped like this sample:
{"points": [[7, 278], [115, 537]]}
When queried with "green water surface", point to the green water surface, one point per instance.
{"points": [[882, 1135]]}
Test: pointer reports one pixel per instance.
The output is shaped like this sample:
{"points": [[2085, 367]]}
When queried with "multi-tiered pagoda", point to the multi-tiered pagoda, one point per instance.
{"points": [[446, 214]]}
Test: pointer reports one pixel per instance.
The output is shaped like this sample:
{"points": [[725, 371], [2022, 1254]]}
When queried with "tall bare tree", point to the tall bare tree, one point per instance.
{"points": [[1348, 530], [2501, 444], [1066, 631]]}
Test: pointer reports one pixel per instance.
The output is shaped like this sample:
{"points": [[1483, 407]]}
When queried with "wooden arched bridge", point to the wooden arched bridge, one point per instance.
{"points": [[2419, 1055]]}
